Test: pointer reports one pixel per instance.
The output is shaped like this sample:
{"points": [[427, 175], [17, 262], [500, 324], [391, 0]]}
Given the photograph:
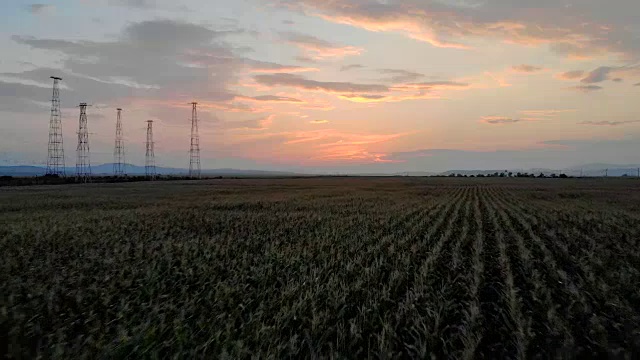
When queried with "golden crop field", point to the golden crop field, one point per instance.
{"points": [[325, 267]]}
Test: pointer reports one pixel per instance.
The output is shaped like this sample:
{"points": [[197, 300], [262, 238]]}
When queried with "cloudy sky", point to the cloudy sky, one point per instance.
{"points": [[329, 85]]}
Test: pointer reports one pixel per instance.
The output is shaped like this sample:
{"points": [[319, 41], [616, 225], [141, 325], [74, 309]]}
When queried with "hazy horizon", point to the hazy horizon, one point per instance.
{"points": [[331, 86]]}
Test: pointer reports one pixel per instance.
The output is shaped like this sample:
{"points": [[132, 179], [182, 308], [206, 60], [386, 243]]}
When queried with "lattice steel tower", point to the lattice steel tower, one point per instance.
{"points": [[150, 161], [194, 152], [55, 154], [118, 151], [83, 163]]}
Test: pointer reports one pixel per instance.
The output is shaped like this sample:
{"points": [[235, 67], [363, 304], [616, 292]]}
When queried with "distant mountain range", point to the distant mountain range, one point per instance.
{"points": [[592, 170], [130, 169]]}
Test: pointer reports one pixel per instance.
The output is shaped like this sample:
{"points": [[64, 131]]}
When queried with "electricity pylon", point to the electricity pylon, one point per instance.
{"points": [[55, 154], [194, 151]]}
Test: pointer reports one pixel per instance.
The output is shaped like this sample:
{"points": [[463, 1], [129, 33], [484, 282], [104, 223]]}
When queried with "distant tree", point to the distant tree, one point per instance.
{"points": [[564, 176], [554, 176], [473, 175], [501, 174], [480, 175], [496, 174], [541, 175], [510, 174]]}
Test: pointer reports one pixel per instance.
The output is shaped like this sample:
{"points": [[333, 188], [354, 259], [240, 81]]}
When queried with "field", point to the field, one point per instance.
{"points": [[355, 268]]}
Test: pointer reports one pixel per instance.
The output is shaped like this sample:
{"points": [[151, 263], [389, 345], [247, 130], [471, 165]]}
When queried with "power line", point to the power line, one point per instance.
{"points": [[150, 161], [55, 154], [194, 151], [118, 152], [83, 163]]}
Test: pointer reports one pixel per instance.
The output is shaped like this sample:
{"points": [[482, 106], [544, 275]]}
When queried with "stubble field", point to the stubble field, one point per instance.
{"points": [[342, 268]]}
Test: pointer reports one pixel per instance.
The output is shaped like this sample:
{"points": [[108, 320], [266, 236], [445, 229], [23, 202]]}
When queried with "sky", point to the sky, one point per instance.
{"points": [[328, 86]]}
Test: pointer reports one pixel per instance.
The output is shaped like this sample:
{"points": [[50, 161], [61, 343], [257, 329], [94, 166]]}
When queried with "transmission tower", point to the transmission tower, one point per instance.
{"points": [[55, 155], [150, 161], [194, 151], [83, 163], [118, 152]]}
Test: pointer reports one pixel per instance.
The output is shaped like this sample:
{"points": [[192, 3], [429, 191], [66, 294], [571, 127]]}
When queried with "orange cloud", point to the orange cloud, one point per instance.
{"points": [[259, 124], [316, 48], [573, 31], [319, 122], [406, 26]]}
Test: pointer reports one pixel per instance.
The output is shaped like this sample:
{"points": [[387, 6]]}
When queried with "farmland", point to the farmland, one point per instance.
{"points": [[328, 267]]}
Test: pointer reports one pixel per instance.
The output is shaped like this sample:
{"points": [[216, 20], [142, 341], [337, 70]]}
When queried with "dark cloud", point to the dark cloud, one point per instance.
{"points": [[21, 98], [159, 64], [40, 8], [526, 68], [598, 75], [351, 67], [399, 75], [617, 80], [218, 58], [268, 67], [570, 75], [148, 53], [429, 85], [291, 80], [638, 84], [587, 88], [75, 89], [365, 96], [306, 59], [499, 120], [272, 98], [150, 59], [139, 4], [608, 123]]}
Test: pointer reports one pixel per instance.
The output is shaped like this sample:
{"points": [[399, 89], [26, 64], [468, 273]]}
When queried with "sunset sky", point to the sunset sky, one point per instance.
{"points": [[329, 86]]}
